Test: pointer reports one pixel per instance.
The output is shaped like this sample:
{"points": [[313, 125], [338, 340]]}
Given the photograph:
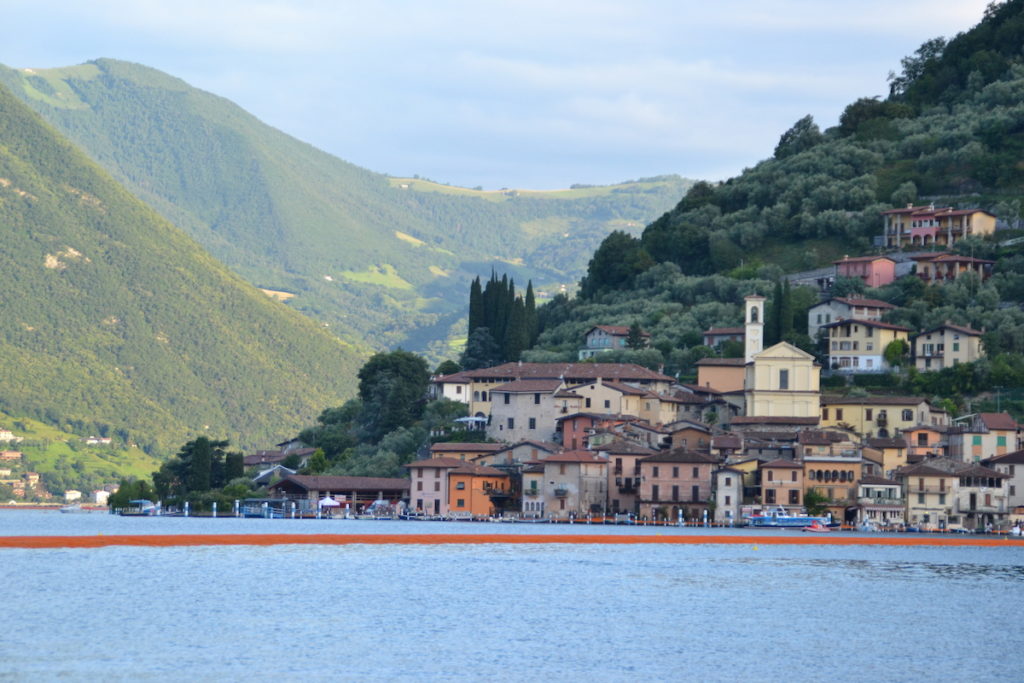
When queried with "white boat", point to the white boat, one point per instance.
{"points": [[73, 508]]}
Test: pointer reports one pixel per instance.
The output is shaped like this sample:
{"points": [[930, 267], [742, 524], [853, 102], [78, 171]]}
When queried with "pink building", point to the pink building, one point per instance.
{"points": [[873, 271]]}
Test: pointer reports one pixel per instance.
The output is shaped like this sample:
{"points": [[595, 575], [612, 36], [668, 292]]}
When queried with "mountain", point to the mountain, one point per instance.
{"points": [[383, 261], [118, 323]]}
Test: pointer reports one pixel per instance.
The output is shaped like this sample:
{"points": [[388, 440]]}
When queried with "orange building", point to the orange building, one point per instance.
{"points": [[472, 488]]}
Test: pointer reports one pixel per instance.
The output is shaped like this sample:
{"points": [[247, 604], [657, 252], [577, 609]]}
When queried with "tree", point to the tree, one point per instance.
{"points": [[481, 350], [802, 136], [392, 387], [317, 463], [476, 306], [447, 367], [635, 337], [618, 259], [896, 352], [815, 503], [845, 286]]}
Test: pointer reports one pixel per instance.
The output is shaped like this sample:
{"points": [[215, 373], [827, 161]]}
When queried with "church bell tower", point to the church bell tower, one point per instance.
{"points": [[753, 340]]}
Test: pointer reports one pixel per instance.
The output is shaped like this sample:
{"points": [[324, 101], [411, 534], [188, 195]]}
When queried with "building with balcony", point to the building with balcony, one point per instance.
{"points": [[624, 473], [575, 484], [942, 268], [716, 336], [981, 499], [679, 480], [980, 436], [929, 494], [1012, 465], [881, 416], [843, 308], [880, 502], [945, 346], [532, 500], [859, 345], [476, 491], [836, 478], [607, 338], [928, 226]]}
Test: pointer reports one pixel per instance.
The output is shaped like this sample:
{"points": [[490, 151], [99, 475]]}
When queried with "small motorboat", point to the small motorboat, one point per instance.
{"points": [[73, 508], [817, 527]]}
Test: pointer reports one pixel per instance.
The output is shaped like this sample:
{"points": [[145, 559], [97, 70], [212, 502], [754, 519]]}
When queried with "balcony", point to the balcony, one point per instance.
{"points": [[882, 421], [531, 492], [561, 492]]}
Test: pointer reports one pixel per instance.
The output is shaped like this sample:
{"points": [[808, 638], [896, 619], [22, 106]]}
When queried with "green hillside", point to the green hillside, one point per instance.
{"points": [[950, 133], [382, 261], [116, 322]]}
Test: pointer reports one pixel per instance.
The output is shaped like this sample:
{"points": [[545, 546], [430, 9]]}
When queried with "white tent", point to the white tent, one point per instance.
{"points": [[328, 502]]}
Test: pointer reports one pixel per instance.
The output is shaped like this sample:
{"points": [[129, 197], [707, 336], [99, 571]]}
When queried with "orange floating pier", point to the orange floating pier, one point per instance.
{"points": [[184, 540]]}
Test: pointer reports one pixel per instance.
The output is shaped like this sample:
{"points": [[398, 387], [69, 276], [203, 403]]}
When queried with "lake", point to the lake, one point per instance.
{"points": [[500, 612]]}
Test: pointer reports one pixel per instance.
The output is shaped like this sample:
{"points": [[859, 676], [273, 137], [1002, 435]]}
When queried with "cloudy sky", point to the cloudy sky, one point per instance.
{"points": [[521, 94]]}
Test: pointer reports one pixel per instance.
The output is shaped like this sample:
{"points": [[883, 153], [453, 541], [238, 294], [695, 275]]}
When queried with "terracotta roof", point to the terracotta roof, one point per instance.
{"points": [[922, 470], [626, 389], [680, 425], [616, 330], [956, 328], [812, 438], [782, 463], [577, 456], [872, 400], [622, 447], [887, 443], [1001, 421], [868, 323], [863, 303], [747, 420], [949, 258], [726, 441], [681, 455], [543, 445], [438, 463], [878, 481], [342, 484], [981, 471], [1015, 458], [528, 386], [599, 416], [459, 447], [478, 470], [722, 361], [573, 371], [863, 259]]}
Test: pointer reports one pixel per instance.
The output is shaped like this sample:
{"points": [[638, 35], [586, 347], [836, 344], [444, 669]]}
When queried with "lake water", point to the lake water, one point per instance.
{"points": [[500, 612]]}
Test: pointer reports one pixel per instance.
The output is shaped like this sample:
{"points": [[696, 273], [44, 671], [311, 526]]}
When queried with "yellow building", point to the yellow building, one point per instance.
{"points": [[917, 226], [859, 345], [782, 381], [930, 495], [881, 416], [946, 346]]}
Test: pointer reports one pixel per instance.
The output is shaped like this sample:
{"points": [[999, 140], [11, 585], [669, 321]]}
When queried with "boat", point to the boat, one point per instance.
{"points": [[140, 508], [73, 508], [818, 527], [780, 517]]}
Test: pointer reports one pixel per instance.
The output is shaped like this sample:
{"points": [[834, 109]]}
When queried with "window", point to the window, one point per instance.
{"points": [[867, 414], [728, 500], [920, 499], [460, 486], [824, 413], [533, 423], [458, 389], [536, 399], [794, 475], [607, 403], [437, 486], [508, 398], [770, 475], [675, 472], [794, 497], [460, 502], [769, 496], [561, 468], [976, 440], [695, 493], [654, 492], [839, 413], [956, 347], [696, 473], [511, 422], [675, 493], [783, 379], [1000, 440], [654, 472], [942, 499], [728, 481], [908, 415], [587, 402], [419, 486]]}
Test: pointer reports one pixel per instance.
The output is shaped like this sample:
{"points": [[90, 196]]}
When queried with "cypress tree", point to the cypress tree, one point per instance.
{"points": [[516, 334], [476, 306], [532, 323]]}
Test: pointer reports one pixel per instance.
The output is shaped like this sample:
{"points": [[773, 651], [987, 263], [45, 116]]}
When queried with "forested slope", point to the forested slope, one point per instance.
{"points": [[116, 322], [381, 261]]}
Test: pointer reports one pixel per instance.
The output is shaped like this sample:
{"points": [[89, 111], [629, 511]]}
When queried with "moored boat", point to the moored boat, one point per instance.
{"points": [[780, 517]]}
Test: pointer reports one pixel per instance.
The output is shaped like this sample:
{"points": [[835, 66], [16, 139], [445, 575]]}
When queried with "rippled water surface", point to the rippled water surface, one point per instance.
{"points": [[500, 612]]}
